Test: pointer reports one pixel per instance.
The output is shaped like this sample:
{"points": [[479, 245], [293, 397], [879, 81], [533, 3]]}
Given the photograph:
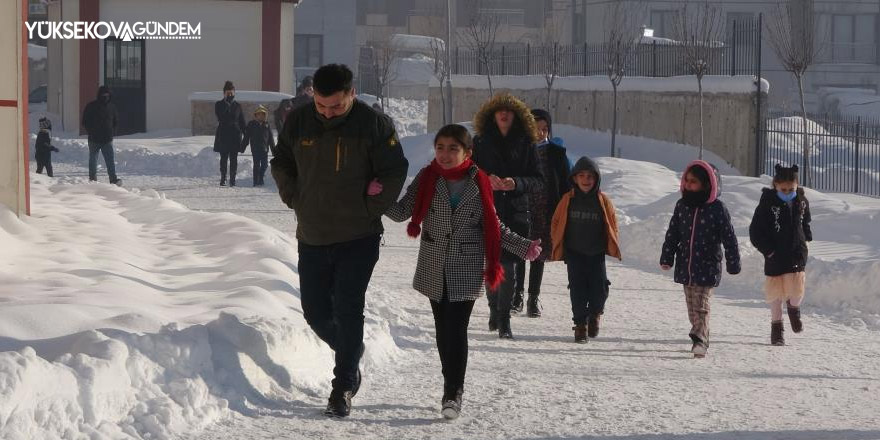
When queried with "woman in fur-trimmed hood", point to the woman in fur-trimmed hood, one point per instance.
{"points": [[504, 148]]}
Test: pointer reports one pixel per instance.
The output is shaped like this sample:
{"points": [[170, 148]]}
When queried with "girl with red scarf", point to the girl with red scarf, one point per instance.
{"points": [[450, 206]]}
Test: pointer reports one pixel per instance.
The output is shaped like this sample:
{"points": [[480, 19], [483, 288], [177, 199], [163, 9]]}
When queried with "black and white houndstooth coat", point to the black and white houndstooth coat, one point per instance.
{"points": [[452, 242]]}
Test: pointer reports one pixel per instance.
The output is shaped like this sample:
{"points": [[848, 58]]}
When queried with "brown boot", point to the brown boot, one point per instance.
{"points": [[776, 331], [580, 333], [593, 325], [794, 317]]}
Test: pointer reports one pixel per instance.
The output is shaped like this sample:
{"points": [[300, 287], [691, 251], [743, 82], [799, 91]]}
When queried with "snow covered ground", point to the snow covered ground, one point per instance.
{"points": [[169, 309]]}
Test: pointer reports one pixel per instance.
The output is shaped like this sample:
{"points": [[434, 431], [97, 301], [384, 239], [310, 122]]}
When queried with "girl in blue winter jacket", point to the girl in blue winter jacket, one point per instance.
{"points": [[697, 230]]}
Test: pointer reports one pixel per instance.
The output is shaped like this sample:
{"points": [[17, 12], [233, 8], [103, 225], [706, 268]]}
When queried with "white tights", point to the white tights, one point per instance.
{"points": [[776, 307]]}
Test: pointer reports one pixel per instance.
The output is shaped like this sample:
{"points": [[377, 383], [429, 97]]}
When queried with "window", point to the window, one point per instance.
{"points": [[308, 50], [663, 23], [853, 38]]}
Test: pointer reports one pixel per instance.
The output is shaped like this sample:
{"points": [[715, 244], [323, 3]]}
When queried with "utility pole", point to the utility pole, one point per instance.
{"points": [[449, 17]]}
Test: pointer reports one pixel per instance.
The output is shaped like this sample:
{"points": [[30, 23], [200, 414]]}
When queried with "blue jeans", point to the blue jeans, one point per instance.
{"points": [[333, 283], [106, 150]]}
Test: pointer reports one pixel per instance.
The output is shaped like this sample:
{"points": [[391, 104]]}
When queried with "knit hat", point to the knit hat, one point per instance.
{"points": [[45, 123], [228, 86], [261, 109], [786, 174]]}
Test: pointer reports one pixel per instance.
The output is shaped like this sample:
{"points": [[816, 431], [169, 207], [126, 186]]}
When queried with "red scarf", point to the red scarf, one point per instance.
{"points": [[494, 273]]}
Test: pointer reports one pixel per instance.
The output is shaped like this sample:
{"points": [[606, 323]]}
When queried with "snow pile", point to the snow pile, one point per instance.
{"points": [[37, 52], [852, 102], [673, 84], [126, 315]]}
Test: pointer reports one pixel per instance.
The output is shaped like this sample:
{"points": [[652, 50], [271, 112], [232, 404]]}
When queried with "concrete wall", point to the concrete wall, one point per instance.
{"points": [[63, 59], [13, 108], [669, 116], [287, 82]]}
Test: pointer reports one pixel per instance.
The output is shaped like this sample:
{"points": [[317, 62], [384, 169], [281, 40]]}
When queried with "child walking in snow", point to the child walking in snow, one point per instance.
{"points": [[259, 136], [583, 231], [698, 228], [44, 148], [780, 230], [460, 248]]}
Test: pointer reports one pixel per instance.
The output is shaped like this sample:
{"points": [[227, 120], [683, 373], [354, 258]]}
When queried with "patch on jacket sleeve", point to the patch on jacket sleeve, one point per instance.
{"points": [[307, 142], [393, 142]]}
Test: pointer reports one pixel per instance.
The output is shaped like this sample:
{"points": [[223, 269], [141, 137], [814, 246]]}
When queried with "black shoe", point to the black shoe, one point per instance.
{"points": [[776, 333], [493, 320], [504, 331], [516, 304], [231, 182], [223, 181], [794, 317], [339, 404], [533, 308]]}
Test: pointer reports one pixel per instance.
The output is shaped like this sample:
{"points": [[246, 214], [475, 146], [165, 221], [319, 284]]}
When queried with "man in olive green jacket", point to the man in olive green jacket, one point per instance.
{"points": [[327, 155]]}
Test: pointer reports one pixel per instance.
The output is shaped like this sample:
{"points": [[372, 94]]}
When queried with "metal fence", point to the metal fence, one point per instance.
{"points": [[738, 55], [844, 150]]}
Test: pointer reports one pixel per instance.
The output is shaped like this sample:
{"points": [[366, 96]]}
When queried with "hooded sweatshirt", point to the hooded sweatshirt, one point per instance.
{"points": [[585, 230]]}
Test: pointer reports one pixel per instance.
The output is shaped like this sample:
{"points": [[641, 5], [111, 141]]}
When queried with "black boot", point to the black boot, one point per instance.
{"points": [[776, 331], [504, 331], [794, 317], [222, 180], [339, 404], [533, 309], [516, 305], [232, 181]]}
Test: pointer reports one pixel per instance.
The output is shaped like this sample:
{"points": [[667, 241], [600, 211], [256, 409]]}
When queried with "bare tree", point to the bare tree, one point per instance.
{"points": [[383, 66], [621, 33], [551, 59], [698, 28], [441, 70], [793, 36], [479, 36]]}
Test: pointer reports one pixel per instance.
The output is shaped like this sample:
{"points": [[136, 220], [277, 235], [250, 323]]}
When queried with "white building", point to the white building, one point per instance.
{"points": [[249, 42], [325, 33], [13, 108]]}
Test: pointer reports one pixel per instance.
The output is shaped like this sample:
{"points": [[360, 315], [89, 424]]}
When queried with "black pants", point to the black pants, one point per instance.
{"points": [[261, 162], [232, 158], [499, 300], [536, 276], [45, 162], [451, 323], [587, 284], [333, 283]]}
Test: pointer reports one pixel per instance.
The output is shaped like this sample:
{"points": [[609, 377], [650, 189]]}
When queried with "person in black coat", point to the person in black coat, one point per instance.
{"points": [[100, 120], [554, 165], [230, 128], [44, 147], [699, 226], [281, 112], [780, 230], [259, 136], [305, 95], [504, 148]]}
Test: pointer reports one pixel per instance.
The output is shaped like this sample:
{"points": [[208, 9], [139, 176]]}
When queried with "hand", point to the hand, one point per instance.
{"points": [[665, 267], [495, 181], [508, 184], [374, 188], [534, 250]]}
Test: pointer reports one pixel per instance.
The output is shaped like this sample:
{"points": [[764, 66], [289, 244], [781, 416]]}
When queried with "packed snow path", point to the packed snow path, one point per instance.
{"points": [[636, 381]]}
